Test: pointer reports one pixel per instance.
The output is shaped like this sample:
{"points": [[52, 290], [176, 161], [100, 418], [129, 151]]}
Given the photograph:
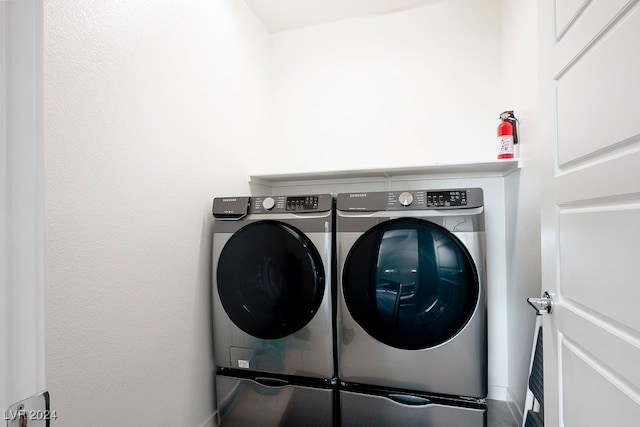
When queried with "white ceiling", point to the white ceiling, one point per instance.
{"points": [[282, 15]]}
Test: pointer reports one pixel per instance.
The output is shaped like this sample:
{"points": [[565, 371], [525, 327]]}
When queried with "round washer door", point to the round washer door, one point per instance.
{"points": [[270, 279], [410, 284]]}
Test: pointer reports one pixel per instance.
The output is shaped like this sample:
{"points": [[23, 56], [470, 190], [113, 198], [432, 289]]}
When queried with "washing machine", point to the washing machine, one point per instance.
{"points": [[271, 273], [411, 304]]}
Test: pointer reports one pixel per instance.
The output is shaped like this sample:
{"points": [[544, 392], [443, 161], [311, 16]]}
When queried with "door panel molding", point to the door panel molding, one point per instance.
{"points": [[611, 177], [588, 258], [582, 376], [566, 13], [608, 342], [588, 26], [601, 89]]}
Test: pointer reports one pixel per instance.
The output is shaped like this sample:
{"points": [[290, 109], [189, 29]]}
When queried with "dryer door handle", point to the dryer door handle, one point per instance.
{"points": [[407, 399], [271, 382]]}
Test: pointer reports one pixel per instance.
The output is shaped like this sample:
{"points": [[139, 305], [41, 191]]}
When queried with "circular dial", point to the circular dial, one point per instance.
{"points": [[405, 198], [268, 203]]}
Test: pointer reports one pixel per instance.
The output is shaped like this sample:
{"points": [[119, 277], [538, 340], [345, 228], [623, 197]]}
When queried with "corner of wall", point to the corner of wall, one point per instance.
{"points": [[520, 88], [515, 409]]}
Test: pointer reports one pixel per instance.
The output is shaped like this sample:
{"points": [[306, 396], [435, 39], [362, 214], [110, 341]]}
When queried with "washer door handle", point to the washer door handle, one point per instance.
{"points": [[407, 399]]}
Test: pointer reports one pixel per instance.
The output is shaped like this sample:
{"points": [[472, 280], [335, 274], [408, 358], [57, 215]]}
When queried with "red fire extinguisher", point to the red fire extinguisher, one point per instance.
{"points": [[507, 135]]}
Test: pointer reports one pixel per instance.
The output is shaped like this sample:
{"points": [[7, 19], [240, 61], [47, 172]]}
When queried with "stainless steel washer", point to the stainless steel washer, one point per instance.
{"points": [[411, 298], [272, 305]]}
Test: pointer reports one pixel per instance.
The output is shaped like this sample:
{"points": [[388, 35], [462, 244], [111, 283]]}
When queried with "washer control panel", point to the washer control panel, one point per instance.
{"points": [[291, 204], [234, 208]]}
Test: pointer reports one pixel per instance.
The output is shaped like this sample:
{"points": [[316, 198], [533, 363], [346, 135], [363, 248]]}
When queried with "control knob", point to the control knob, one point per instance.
{"points": [[405, 198], [268, 203]]}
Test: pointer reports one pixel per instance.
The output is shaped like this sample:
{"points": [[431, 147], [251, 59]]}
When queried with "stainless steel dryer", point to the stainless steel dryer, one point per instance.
{"points": [[411, 300], [272, 305]]}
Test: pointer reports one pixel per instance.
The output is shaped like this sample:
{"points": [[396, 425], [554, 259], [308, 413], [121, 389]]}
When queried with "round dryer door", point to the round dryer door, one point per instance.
{"points": [[270, 279], [410, 284]]}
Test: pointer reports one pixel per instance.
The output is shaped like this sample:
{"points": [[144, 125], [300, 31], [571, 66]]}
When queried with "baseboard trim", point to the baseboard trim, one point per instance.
{"points": [[497, 392], [210, 421], [514, 408]]}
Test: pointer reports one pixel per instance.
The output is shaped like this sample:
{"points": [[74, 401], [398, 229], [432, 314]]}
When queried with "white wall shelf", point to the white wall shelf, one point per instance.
{"points": [[480, 169]]}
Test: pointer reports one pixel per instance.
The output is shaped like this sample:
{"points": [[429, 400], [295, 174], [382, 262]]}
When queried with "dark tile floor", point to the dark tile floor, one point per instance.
{"points": [[499, 415]]}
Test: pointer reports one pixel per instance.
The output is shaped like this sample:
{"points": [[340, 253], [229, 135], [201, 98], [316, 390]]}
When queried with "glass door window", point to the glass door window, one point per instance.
{"points": [[410, 284], [270, 279]]}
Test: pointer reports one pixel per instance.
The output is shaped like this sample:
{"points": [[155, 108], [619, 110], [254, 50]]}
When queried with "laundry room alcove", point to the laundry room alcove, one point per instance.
{"points": [[498, 180]]}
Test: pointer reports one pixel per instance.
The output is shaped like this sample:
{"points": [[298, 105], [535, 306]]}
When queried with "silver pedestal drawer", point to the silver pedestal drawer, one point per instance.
{"points": [[270, 401], [392, 409]]}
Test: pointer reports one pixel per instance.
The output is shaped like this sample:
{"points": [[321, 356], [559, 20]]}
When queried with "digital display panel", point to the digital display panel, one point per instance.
{"points": [[446, 198], [302, 203]]}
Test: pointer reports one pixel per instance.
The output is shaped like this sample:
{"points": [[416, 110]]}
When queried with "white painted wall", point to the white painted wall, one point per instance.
{"points": [[409, 88], [150, 108], [522, 190]]}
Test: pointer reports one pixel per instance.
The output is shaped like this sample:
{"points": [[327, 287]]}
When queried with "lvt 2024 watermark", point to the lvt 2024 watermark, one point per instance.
{"points": [[29, 414]]}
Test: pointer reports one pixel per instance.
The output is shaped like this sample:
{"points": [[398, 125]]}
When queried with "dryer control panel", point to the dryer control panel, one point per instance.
{"points": [[458, 198], [427, 199], [291, 204], [239, 207]]}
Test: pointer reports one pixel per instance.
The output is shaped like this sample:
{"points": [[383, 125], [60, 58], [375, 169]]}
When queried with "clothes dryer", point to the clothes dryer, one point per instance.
{"points": [[411, 300], [272, 299]]}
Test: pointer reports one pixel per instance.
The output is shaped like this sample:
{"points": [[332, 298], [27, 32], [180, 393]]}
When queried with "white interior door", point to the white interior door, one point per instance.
{"points": [[590, 51]]}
